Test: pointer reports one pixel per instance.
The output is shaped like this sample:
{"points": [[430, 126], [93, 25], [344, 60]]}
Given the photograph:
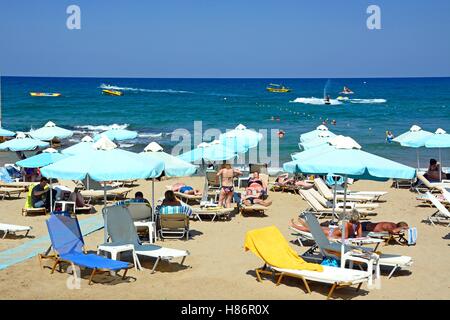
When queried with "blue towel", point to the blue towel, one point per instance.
{"points": [[412, 236]]}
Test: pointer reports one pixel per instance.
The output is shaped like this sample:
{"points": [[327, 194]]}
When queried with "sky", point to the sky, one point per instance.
{"points": [[225, 38]]}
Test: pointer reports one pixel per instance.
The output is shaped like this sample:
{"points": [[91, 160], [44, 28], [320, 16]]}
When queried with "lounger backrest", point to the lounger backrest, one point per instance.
{"points": [[119, 225], [442, 209], [323, 189], [174, 221], [213, 179], [326, 247], [94, 185], [425, 181], [314, 204], [139, 211], [324, 202], [65, 234]]}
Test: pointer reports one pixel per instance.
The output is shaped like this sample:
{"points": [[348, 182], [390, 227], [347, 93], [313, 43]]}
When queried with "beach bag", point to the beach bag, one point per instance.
{"points": [[330, 262]]}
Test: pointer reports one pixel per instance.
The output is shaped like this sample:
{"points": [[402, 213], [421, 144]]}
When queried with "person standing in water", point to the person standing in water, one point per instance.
{"points": [[389, 136], [226, 174]]}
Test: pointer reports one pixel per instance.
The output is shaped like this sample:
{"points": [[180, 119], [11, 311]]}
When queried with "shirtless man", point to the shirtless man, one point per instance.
{"points": [[391, 227], [434, 173], [227, 173]]}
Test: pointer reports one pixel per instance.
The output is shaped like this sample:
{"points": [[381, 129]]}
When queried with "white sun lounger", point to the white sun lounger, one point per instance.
{"points": [[13, 229], [10, 192], [122, 231], [329, 204], [442, 215], [328, 194]]}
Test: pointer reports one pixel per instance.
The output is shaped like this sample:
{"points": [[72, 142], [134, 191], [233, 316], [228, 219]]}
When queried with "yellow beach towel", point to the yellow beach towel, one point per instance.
{"points": [[29, 202], [270, 245]]}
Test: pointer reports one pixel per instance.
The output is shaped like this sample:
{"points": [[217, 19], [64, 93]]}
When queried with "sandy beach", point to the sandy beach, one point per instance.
{"points": [[218, 267]]}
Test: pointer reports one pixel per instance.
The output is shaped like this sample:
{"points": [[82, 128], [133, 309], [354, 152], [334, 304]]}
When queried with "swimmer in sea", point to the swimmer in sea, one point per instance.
{"points": [[281, 134], [333, 122], [389, 136]]}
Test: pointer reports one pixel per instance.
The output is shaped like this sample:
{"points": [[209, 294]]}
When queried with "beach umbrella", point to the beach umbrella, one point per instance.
{"points": [[440, 139], [48, 156], [317, 133], [86, 145], [240, 138], [414, 138], [209, 152], [348, 161], [6, 133], [105, 163], [22, 143], [50, 131], [173, 166], [116, 133]]}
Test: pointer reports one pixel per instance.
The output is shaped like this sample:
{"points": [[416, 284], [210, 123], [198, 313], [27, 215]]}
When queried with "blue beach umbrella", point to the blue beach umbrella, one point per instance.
{"points": [[85, 146], [173, 166], [47, 157], [50, 131], [314, 134], [312, 143], [6, 133], [347, 161], [209, 152], [117, 134], [414, 138], [241, 139], [22, 143], [440, 139]]}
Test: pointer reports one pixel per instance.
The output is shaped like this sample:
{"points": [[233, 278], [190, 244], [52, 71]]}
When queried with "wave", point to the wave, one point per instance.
{"points": [[315, 101], [126, 145], [150, 135], [368, 101], [101, 127], [111, 87]]}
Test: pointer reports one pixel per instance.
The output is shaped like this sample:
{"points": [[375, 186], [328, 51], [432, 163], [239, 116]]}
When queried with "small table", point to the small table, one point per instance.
{"points": [[115, 252], [214, 212], [151, 226]]}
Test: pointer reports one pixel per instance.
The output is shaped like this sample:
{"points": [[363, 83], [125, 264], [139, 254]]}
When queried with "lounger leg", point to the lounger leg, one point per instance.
{"points": [[154, 266], [182, 260], [92, 276], [124, 274], [358, 287], [306, 285], [54, 266], [279, 279], [4, 234], [331, 290], [392, 272], [258, 276]]}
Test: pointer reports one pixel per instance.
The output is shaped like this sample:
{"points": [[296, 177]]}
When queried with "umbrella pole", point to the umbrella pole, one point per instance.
{"points": [[343, 227], [440, 166], [418, 161], [51, 195], [334, 200], [153, 199], [103, 211]]}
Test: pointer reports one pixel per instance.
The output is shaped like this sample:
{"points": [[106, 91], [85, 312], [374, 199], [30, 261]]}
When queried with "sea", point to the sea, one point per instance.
{"points": [[157, 107]]}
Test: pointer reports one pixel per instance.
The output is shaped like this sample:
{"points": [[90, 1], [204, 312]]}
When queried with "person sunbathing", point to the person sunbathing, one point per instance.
{"points": [[353, 228], [285, 180], [391, 227], [255, 196], [255, 180], [182, 188]]}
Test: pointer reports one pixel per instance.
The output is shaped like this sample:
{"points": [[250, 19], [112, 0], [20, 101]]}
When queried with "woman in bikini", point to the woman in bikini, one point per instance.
{"points": [[227, 173]]}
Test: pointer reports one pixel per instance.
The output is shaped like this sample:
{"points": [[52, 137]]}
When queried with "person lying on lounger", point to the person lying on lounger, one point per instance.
{"points": [[285, 180], [353, 228], [256, 195], [391, 227], [182, 188]]}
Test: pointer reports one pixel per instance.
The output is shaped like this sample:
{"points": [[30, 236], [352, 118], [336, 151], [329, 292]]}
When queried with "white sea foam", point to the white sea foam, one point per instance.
{"points": [[316, 101], [126, 145], [150, 135], [101, 127], [111, 87], [368, 101]]}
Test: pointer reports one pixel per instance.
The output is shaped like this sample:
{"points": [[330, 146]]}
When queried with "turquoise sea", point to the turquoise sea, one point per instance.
{"points": [[156, 107]]}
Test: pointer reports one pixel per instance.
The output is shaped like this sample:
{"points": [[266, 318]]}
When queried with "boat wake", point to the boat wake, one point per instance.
{"points": [[110, 87], [368, 101], [316, 101]]}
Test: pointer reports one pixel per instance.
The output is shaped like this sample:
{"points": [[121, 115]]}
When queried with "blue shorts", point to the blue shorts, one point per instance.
{"points": [[185, 188]]}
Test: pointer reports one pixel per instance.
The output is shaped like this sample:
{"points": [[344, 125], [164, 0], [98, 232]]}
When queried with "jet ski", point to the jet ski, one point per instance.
{"points": [[112, 92], [44, 94]]}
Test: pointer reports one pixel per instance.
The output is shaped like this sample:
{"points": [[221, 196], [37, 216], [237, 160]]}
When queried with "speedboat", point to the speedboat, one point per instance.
{"points": [[112, 92], [44, 94], [277, 88]]}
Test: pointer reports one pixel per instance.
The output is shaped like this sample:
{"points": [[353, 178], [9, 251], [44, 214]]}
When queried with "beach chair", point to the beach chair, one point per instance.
{"points": [[404, 238], [120, 228], [362, 207], [376, 194], [28, 207], [281, 260], [328, 194], [442, 215], [174, 226], [402, 183], [426, 186], [188, 198], [252, 208], [67, 242], [19, 184], [212, 179], [13, 229], [258, 167], [7, 192], [302, 236], [333, 250]]}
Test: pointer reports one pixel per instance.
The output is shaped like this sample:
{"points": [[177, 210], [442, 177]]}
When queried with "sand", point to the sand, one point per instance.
{"points": [[218, 267]]}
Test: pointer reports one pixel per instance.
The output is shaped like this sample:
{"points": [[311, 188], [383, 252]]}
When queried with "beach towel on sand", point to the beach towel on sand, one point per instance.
{"points": [[270, 245]]}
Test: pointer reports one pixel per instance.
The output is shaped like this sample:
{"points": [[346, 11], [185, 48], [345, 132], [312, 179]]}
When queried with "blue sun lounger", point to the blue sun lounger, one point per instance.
{"points": [[67, 242]]}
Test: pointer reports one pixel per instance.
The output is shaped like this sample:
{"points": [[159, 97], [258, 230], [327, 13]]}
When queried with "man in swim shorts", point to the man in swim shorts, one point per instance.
{"points": [[391, 227]]}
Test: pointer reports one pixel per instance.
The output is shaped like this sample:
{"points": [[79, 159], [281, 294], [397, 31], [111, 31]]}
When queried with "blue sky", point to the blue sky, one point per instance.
{"points": [[225, 38]]}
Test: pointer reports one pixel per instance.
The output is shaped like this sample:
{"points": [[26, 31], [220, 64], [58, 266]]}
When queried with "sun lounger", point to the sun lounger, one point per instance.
{"points": [[114, 194], [10, 192], [333, 250], [329, 204], [28, 207], [328, 194], [318, 209], [404, 238], [67, 242], [281, 260], [188, 197], [426, 186], [215, 212], [442, 215], [13, 229], [254, 207], [302, 236], [120, 228], [19, 184]]}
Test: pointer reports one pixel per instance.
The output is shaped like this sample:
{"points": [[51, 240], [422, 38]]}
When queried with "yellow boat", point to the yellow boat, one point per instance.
{"points": [[277, 88], [112, 92], [44, 94]]}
